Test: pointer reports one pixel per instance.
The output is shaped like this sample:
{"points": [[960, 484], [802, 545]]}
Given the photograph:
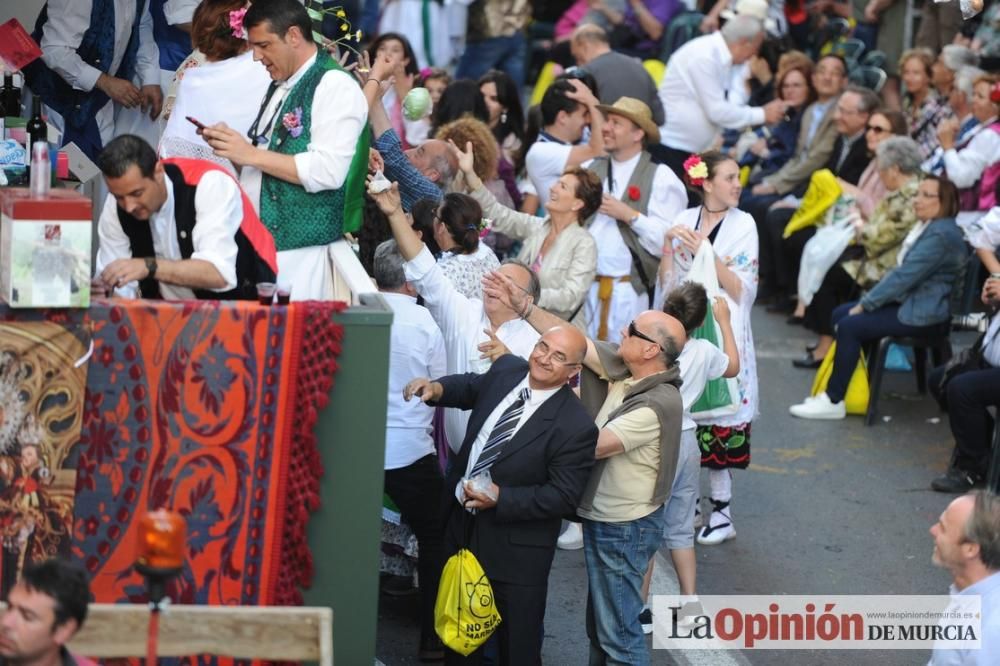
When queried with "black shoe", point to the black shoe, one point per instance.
{"points": [[956, 481], [782, 305], [807, 362], [431, 650], [646, 620]]}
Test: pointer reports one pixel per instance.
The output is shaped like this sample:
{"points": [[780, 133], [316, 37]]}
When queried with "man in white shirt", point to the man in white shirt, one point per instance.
{"points": [[177, 229], [86, 72], [307, 157], [694, 92], [567, 107], [475, 331], [967, 544], [641, 200], [412, 474]]}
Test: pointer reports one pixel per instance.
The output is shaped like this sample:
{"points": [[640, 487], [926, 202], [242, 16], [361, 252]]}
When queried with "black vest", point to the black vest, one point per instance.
{"points": [[250, 267]]}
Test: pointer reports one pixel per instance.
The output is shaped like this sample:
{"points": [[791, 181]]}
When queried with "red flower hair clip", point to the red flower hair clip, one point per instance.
{"points": [[995, 93], [634, 193], [696, 170]]}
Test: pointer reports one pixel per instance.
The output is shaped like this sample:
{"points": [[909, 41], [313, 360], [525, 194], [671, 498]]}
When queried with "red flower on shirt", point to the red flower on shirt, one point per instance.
{"points": [[634, 192]]}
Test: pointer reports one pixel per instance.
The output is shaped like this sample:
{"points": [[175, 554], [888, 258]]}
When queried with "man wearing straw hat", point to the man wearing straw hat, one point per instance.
{"points": [[641, 200]]}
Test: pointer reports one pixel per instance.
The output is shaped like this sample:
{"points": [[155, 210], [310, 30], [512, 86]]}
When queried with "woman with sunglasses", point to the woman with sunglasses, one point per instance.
{"points": [[912, 299], [732, 234]]}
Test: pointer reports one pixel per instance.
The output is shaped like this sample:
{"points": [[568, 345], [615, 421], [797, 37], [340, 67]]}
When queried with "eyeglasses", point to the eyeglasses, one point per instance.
{"points": [[542, 348], [877, 129], [633, 332]]}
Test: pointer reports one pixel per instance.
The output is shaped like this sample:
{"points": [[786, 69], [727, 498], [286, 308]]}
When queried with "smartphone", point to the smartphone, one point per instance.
{"points": [[197, 123]]}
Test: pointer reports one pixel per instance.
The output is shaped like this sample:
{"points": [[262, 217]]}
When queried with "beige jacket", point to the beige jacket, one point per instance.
{"points": [[799, 169], [567, 270]]}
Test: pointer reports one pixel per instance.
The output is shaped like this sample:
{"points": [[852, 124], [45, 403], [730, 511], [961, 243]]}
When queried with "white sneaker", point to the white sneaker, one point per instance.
{"points": [[572, 538], [819, 407]]}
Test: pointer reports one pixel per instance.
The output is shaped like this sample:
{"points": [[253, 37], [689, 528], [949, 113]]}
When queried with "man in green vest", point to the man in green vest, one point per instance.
{"points": [[641, 200], [304, 160]]}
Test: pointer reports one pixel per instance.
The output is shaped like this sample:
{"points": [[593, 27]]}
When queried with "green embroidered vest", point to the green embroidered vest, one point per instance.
{"points": [[297, 218]]}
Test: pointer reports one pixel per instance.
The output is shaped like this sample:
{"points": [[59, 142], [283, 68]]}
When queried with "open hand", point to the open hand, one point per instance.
{"points": [[499, 286], [492, 348], [466, 158]]}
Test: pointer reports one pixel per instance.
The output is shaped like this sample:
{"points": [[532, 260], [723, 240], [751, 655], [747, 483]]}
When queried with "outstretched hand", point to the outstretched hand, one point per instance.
{"points": [[499, 286], [492, 348], [466, 158], [388, 201]]}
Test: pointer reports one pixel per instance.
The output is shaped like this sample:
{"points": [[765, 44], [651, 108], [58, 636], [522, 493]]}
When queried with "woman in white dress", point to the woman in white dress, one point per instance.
{"points": [[219, 83], [724, 441]]}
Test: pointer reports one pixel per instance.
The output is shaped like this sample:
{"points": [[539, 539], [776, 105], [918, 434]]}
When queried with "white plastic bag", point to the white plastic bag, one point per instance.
{"points": [[703, 272], [820, 254]]}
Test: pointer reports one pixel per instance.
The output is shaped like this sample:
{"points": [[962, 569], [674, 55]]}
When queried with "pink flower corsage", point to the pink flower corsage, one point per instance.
{"points": [[485, 226], [293, 122], [696, 170], [236, 23]]}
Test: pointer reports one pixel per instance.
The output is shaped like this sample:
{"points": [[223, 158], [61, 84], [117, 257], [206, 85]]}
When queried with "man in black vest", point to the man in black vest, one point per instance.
{"points": [[178, 228]]}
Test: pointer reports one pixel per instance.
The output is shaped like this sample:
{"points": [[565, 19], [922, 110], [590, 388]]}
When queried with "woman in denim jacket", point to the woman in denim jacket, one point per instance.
{"points": [[912, 299]]}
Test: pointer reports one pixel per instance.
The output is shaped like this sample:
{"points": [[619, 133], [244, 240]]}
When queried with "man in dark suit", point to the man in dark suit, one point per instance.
{"points": [[532, 435], [847, 161]]}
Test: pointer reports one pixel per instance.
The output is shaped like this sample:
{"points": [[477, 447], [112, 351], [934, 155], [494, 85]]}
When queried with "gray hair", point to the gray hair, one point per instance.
{"points": [[669, 349], [965, 79], [956, 56], [742, 28], [445, 169], [388, 266], [868, 101], [983, 528], [534, 286], [899, 151]]}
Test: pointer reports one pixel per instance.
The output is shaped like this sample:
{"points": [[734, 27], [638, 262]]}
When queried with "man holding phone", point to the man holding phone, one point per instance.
{"points": [[177, 228], [304, 161]]}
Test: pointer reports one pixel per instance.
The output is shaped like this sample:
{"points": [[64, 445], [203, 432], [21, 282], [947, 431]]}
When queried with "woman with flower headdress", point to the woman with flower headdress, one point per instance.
{"points": [[214, 83], [724, 440]]}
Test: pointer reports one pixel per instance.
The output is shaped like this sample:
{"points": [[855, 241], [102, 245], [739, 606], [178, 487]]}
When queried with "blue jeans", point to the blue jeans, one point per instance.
{"points": [[503, 53], [617, 555], [853, 331]]}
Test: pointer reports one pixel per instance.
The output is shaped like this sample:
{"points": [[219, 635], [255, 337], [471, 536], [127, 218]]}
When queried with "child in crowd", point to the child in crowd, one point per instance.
{"points": [[700, 361]]}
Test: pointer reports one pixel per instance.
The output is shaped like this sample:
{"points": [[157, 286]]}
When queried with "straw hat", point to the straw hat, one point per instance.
{"points": [[636, 111]]}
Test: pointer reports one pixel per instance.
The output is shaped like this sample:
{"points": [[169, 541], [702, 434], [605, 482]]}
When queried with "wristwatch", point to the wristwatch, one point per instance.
{"points": [[151, 266]]}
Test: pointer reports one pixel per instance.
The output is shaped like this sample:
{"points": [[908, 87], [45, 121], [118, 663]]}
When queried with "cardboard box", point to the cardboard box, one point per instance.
{"points": [[45, 249]]}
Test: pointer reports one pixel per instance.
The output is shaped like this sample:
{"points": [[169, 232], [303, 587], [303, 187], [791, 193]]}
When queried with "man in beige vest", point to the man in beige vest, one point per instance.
{"points": [[641, 200]]}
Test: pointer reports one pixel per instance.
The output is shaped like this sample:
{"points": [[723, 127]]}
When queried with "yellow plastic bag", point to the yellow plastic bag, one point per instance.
{"points": [[465, 614], [856, 400], [822, 193]]}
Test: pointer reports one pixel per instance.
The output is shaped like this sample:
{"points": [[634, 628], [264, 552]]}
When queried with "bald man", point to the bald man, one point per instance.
{"points": [[632, 392], [522, 467]]}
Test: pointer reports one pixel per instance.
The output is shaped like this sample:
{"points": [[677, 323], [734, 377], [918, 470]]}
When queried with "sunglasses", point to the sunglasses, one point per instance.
{"points": [[877, 129], [633, 332]]}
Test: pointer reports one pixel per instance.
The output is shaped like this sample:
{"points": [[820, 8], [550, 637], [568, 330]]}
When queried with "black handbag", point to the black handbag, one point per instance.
{"points": [[967, 360]]}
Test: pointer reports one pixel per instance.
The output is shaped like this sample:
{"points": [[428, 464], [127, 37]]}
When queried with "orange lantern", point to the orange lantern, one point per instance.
{"points": [[161, 546]]}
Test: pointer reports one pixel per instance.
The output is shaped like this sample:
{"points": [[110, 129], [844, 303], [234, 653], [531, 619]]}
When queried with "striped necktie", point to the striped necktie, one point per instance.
{"points": [[502, 432]]}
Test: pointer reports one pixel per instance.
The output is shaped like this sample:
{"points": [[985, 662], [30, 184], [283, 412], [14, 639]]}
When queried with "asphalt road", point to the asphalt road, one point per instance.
{"points": [[825, 507]]}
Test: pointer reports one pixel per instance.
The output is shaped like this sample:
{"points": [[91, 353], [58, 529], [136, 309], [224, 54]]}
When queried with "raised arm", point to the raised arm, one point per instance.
{"points": [[505, 220]]}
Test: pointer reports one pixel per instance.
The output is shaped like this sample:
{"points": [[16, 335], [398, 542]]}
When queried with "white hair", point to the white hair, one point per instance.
{"points": [[956, 56], [965, 77], [742, 28]]}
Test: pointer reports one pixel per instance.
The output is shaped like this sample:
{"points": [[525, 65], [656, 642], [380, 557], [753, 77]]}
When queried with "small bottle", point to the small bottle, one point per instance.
{"points": [[40, 169], [10, 96], [36, 131]]}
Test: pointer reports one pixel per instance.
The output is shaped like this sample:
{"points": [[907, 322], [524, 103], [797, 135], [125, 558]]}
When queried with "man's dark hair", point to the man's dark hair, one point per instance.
{"points": [[124, 151], [66, 582], [555, 100], [688, 304], [836, 56], [280, 15], [534, 286]]}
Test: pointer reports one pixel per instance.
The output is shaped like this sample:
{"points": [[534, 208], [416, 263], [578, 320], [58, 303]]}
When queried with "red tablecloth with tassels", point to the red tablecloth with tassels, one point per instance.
{"points": [[207, 408]]}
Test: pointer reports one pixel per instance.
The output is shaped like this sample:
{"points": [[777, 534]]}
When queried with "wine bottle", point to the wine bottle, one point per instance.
{"points": [[10, 96], [36, 129]]}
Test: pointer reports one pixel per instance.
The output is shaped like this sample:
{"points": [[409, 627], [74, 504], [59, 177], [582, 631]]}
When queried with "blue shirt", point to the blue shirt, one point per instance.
{"points": [[413, 185], [818, 110], [989, 652]]}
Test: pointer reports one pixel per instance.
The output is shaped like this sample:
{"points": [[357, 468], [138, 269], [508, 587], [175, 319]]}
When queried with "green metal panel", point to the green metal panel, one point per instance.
{"points": [[344, 532]]}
